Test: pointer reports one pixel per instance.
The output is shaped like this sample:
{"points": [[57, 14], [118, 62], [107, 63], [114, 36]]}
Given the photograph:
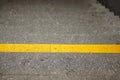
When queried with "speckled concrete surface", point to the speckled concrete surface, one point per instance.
{"points": [[58, 21], [59, 66]]}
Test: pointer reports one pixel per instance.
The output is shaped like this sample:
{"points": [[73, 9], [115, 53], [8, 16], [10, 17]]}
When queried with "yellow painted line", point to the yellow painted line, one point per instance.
{"points": [[61, 48]]}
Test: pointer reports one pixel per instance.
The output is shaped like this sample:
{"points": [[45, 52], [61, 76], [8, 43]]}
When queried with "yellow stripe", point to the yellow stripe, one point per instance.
{"points": [[61, 48]]}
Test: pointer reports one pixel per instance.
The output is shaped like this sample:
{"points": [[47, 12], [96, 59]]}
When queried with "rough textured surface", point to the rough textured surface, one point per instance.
{"points": [[59, 66], [113, 5], [58, 21]]}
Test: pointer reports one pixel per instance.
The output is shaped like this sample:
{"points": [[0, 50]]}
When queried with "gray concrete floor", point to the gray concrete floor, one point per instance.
{"points": [[58, 21]]}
